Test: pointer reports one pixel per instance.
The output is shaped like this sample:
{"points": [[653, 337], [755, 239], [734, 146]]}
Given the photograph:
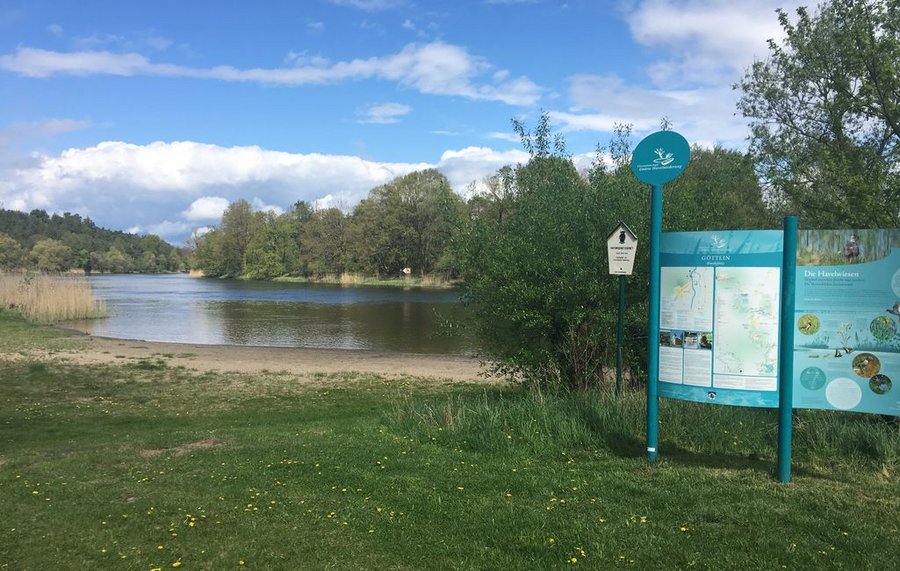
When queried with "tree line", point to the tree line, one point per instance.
{"points": [[407, 223], [59, 243]]}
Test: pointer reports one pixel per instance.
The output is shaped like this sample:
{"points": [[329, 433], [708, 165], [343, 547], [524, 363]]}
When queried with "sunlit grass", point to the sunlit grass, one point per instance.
{"points": [[149, 465], [45, 298]]}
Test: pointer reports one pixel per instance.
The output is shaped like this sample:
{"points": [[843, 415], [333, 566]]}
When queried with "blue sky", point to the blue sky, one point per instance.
{"points": [[152, 116]]}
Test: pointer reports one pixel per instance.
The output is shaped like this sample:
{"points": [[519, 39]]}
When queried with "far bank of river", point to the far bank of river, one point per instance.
{"points": [[177, 308]]}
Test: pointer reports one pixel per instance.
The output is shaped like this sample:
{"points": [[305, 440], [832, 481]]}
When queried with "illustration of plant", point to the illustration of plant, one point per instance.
{"points": [[844, 332]]}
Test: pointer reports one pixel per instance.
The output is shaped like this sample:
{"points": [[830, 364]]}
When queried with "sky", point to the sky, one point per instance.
{"points": [[150, 117]]}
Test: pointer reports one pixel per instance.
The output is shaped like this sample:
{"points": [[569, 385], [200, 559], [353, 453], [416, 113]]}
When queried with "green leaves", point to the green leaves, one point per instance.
{"points": [[825, 115]]}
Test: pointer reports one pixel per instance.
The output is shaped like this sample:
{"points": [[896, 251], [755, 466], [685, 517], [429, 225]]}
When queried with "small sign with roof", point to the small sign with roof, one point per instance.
{"points": [[621, 248]]}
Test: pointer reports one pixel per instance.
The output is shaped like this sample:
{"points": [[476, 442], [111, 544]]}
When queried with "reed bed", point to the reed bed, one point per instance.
{"points": [[44, 298]]}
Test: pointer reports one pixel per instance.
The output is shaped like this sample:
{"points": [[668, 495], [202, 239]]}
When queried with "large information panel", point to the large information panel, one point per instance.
{"points": [[719, 316], [847, 310]]}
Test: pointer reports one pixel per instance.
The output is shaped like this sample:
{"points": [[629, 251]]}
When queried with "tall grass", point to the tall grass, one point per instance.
{"points": [[570, 421], [43, 298]]}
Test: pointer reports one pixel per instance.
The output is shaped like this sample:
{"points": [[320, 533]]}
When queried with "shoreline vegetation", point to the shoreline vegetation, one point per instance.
{"points": [[163, 465], [352, 279], [49, 298]]}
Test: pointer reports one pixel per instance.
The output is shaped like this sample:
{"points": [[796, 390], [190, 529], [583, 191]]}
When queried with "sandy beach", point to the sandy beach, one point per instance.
{"points": [[88, 349]]}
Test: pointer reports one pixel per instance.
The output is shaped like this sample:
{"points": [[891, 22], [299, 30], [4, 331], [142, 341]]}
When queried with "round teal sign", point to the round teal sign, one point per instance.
{"points": [[660, 157]]}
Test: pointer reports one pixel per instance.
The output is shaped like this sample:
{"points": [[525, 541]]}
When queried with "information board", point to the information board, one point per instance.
{"points": [[719, 316], [847, 319]]}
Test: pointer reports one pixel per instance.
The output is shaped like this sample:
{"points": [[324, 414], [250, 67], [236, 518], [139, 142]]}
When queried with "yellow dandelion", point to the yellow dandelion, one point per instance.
{"points": [[682, 528], [573, 560], [176, 564]]}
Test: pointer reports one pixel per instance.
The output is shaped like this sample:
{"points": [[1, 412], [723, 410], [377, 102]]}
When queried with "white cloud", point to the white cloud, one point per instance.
{"points": [[18, 133], [55, 29], [703, 114], [370, 5], [206, 208], [500, 136], [323, 203], [385, 113], [168, 230], [703, 47], [260, 206], [709, 41], [472, 164], [167, 188], [435, 68]]}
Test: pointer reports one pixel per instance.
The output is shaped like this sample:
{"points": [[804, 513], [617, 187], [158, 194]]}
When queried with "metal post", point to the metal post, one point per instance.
{"points": [[620, 335], [786, 353], [656, 199]]}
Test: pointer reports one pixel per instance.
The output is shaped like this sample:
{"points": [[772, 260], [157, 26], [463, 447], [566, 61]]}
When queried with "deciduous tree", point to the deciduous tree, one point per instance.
{"points": [[825, 114]]}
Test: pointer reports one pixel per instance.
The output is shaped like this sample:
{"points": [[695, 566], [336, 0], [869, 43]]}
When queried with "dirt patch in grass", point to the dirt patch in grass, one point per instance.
{"points": [[183, 448]]}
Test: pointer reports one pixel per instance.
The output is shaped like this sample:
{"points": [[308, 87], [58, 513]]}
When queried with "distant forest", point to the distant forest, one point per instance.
{"points": [[59, 243]]}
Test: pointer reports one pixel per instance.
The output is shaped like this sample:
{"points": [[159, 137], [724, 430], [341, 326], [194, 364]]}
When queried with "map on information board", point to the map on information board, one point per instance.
{"points": [[687, 298], [719, 316], [747, 327]]}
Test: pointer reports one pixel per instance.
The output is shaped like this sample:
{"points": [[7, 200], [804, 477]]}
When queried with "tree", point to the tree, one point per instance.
{"points": [[407, 222], [324, 242], [534, 276], [12, 255], [236, 228], [207, 255], [116, 261], [717, 191], [50, 255], [273, 246], [825, 114]]}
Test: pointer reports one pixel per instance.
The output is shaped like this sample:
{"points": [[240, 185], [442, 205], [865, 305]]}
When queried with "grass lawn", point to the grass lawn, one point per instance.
{"points": [[147, 465]]}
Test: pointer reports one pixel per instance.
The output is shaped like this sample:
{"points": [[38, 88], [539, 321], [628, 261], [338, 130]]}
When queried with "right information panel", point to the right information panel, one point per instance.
{"points": [[847, 309]]}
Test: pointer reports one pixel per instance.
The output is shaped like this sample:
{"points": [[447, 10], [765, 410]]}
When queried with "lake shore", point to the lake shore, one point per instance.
{"points": [[89, 349]]}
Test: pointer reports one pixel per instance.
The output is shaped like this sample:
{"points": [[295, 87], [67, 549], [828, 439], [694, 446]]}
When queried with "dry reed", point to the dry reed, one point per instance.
{"points": [[46, 298]]}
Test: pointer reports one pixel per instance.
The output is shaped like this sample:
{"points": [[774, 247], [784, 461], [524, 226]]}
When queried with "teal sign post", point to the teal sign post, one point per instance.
{"points": [[659, 158]]}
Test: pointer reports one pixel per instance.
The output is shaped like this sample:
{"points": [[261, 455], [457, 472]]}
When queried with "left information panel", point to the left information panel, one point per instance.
{"points": [[719, 316]]}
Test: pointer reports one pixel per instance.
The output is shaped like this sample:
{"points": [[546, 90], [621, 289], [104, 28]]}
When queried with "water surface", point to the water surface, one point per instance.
{"points": [[177, 308]]}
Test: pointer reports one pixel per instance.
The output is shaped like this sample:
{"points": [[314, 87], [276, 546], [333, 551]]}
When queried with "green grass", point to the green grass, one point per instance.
{"points": [[142, 466]]}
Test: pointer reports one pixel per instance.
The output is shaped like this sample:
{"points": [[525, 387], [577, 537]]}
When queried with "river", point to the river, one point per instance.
{"points": [[177, 308]]}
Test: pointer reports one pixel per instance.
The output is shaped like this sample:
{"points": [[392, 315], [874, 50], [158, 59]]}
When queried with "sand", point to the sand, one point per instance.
{"points": [[242, 359]]}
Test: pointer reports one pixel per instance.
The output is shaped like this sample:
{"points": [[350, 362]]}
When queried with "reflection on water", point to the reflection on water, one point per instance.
{"points": [[187, 310]]}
